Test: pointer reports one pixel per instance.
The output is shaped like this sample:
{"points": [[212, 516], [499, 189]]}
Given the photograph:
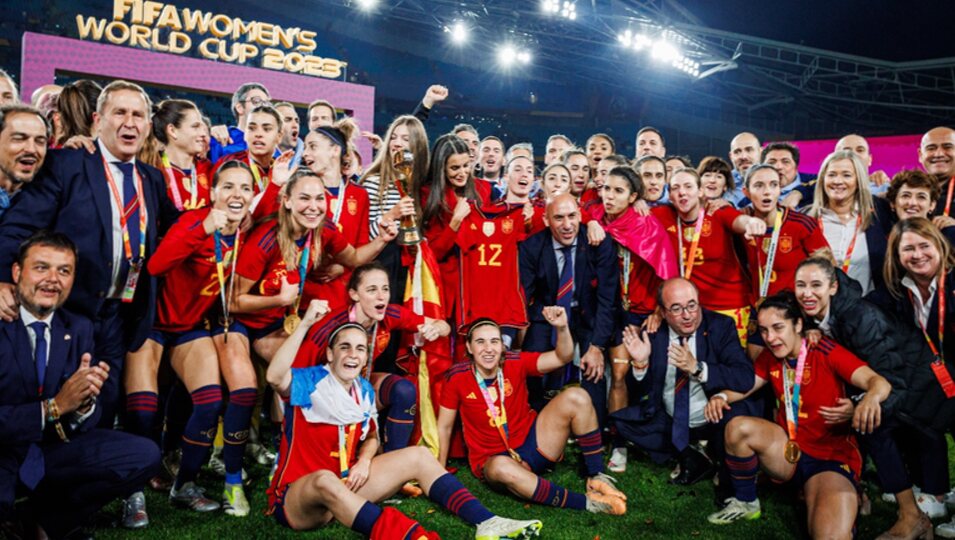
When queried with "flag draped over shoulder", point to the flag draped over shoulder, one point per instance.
{"points": [[426, 362], [645, 237]]}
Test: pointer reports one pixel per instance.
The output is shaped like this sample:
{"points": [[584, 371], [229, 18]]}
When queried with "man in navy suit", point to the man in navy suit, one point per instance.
{"points": [[50, 451], [559, 267], [112, 207], [675, 371]]}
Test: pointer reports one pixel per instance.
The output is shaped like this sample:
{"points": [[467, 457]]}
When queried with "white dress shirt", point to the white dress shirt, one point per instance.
{"points": [[922, 309], [698, 397], [839, 236], [118, 278]]}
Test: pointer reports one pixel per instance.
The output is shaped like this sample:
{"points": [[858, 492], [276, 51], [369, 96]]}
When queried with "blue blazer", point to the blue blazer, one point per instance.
{"points": [[717, 344], [71, 196], [20, 411], [596, 290]]}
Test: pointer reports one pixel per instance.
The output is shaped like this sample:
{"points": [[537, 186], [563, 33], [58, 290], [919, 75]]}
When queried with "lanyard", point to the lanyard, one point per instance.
{"points": [[255, 172], [335, 203], [852, 243], [686, 268], [372, 339], [346, 443], [121, 210], [220, 270], [791, 395], [938, 366], [303, 270], [499, 420], [766, 276], [174, 186], [948, 199]]}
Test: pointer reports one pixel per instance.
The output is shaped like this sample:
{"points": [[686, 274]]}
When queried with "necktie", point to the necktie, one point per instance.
{"points": [[39, 353], [565, 298], [680, 435], [131, 206]]}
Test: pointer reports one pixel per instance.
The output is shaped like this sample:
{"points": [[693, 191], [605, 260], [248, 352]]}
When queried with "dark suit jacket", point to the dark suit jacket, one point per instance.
{"points": [[717, 344], [596, 290], [71, 195], [20, 411]]}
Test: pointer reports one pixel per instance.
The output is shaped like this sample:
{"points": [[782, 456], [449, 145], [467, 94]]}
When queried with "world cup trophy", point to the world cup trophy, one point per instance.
{"points": [[409, 234]]}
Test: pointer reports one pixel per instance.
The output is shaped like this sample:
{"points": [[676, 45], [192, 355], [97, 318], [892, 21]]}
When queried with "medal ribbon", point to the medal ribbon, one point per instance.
{"points": [[255, 172], [766, 276], [625, 278], [220, 270], [120, 207], [346, 443], [686, 268], [372, 339], [303, 270], [174, 187], [938, 366], [500, 420], [791, 395]]}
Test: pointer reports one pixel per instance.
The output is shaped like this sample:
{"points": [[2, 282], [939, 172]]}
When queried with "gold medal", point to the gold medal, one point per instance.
{"points": [[626, 304], [291, 323], [792, 452]]}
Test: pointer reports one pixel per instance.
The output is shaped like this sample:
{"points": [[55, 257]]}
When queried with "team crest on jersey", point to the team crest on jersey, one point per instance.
{"points": [[707, 228], [508, 390], [381, 341], [487, 228], [203, 180], [507, 225], [352, 206], [785, 243]]}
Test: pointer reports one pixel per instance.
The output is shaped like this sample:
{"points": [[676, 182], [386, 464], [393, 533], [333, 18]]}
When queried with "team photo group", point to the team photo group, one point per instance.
{"points": [[182, 299]]}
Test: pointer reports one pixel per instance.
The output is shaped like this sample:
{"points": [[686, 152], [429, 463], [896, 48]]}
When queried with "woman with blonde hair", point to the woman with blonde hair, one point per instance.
{"points": [[842, 204]]}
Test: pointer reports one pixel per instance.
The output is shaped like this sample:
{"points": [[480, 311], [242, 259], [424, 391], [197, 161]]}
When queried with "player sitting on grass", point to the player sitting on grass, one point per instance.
{"points": [[329, 468], [508, 443]]}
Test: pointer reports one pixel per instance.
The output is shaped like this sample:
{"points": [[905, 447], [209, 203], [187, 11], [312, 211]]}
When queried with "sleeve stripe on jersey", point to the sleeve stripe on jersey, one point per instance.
{"points": [[802, 219], [457, 369], [267, 242], [393, 310], [826, 345], [327, 326]]}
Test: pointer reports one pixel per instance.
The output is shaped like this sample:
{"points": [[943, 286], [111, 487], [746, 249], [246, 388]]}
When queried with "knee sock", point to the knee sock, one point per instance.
{"points": [[235, 432], [365, 520], [141, 411], [448, 491], [742, 471], [554, 495], [178, 408], [199, 432], [591, 447], [399, 396]]}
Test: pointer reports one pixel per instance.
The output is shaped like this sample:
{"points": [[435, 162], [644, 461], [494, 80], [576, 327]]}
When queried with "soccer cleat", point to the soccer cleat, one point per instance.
{"points": [[234, 502], [258, 452], [734, 510], [134, 511], [501, 527], [216, 464], [192, 497], [618, 460], [599, 503], [604, 484]]}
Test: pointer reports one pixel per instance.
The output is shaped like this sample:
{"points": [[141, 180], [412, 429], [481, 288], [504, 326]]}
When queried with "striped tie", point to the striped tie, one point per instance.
{"points": [[681, 409], [565, 298]]}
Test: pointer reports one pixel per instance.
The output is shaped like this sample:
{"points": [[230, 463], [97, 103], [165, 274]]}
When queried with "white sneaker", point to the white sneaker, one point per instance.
{"points": [[946, 530], [932, 507], [234, 501], [890, 497], [499, 527], [950, 499], [618, 460], [734, 510]]}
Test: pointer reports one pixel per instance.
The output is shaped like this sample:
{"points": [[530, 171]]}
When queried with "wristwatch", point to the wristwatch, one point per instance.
{"points": [[699, 370]]}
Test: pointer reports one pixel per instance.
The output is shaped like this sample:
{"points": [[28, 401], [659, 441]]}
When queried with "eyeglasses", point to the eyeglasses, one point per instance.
{"points": [[256, 101], [676, 310]]}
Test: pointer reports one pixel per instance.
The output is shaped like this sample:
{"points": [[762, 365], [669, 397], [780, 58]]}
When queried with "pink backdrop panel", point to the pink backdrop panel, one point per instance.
{"points": [[43, 55], [889, 154]]}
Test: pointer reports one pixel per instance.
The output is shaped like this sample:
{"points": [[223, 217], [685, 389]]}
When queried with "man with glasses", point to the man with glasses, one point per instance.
{"points": [[674, 373], [231, 139]]}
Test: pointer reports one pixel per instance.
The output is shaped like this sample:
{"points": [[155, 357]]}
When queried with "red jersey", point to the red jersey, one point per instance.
{"points": [[261, 261], [186, 261], [828, 368], [184, 190], [260, 181], [590, 195], [799, 237], [641, 288], [308, 447], [462, 393], [312, 350], [491, 283], [348, 211], [716, 270]]}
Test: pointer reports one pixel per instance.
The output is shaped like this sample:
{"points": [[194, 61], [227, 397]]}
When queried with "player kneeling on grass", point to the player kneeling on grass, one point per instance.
{"points": [[508, 443], [822, 458], [328, 467]]}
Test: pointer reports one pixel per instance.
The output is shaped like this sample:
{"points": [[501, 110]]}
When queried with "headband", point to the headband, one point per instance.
{"points": [[334, 134], [346, 326], [484, 321]]}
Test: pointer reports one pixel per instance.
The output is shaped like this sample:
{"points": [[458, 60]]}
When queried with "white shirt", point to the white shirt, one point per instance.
{"points": [[117, 281], [839, 237], [698, 397], [824, 325], [922, 310]]}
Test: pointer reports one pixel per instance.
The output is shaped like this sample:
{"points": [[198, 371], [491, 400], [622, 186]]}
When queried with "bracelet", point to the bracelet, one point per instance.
{"points": [[52, 411], [60, 432], [721, 395], [621, 361]]}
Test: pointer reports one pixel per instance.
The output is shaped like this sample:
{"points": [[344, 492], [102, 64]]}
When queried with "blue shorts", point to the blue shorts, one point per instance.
{"points": [[531, 454], [624, 319], [255, 334], [234, 327], [278, 507], [168, 340], [808, 466]]}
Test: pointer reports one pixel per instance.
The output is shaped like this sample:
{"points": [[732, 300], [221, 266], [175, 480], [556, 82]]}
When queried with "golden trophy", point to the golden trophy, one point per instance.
{"points": [[408, 232]]}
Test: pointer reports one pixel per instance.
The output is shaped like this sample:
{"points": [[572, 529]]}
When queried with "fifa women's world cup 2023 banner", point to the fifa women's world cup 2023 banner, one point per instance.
{"points": [[165, 27]]}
